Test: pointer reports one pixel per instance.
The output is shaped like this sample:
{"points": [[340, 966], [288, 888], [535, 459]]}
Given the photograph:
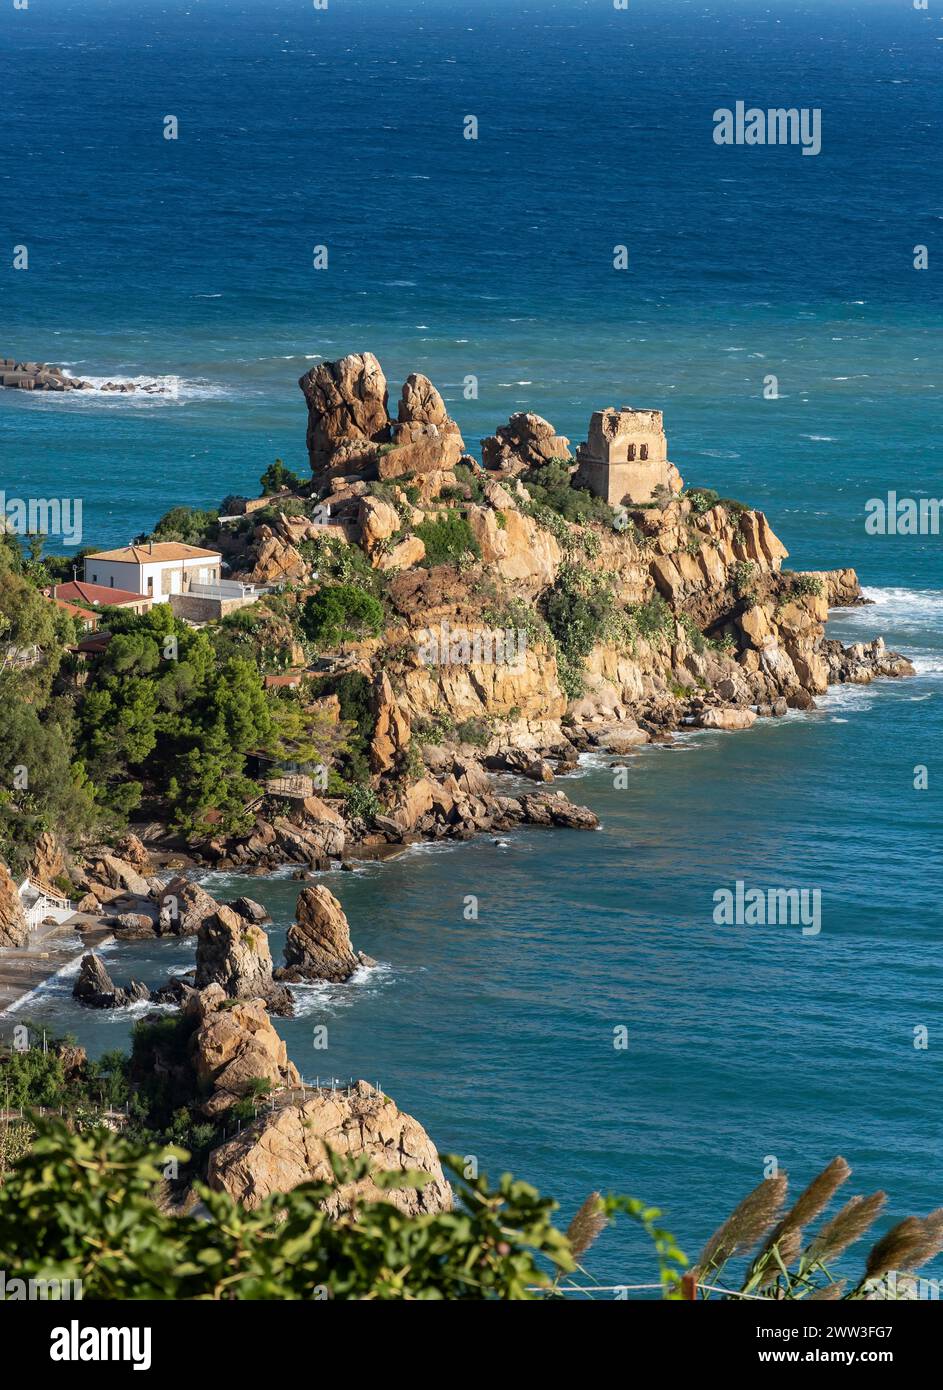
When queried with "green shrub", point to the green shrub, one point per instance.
{"points": [[80, 1206], [475, 731], [551, 485], [743, 578], [362, 803], [580, 611], [701, 499], [185, 524], [696, 639], [341, 612], [653, 618], [801, 585], [448, 540], [345, 564], [278, 478]]}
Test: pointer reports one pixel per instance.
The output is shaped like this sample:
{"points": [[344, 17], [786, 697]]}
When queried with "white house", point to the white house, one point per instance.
{"points": [[157, 569]]}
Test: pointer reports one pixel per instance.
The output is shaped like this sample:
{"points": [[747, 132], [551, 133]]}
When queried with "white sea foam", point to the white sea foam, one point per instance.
{"points": [[169, 389], [901, 616], [322, 996], [848, 696]]}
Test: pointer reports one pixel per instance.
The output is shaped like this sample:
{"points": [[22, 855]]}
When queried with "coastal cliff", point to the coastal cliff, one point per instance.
{"points": [[413, 625], [523, 618]]}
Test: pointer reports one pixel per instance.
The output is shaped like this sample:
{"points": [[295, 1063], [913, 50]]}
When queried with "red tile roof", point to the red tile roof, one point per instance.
{"points": [[78, 591], [85, 614]]}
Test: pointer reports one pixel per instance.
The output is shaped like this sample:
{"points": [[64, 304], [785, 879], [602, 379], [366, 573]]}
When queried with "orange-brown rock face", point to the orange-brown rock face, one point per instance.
{"points": [[232, 1046], [347, 414], [234, 953], [425, 438], [391, 733], [13, 928], [288, 1146], [318, 946], [526, 441]]}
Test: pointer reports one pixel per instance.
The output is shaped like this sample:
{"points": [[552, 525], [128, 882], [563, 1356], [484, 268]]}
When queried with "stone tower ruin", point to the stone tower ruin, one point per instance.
{"points": [[625, 457]]}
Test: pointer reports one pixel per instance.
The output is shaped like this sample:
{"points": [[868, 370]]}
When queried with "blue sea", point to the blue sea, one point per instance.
{"points": [[190, 262]]}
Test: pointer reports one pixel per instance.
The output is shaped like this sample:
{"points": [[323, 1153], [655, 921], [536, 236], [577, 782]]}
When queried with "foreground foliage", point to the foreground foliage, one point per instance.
{"points": [[81, 1206]]}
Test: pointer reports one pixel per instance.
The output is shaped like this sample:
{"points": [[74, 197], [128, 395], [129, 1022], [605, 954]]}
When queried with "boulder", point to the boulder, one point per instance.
{"points": [[526, 441], [276, 560], [406, 554], [47, 864], [184, 907], [134, 926], [251, 910], [120, 875], [234, 1045], [95, 988], [543, 808], [288, 1146], [621, 738], [318, 945], [425, 438], [347, 414], [378, 521], [234, 953], [727, 718], [131, 850]]}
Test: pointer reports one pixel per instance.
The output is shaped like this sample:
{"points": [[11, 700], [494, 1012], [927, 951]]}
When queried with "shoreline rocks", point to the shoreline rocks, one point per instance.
{"points": [[318, 945], [43, 376], [288, 1146], [95, 988], [234, 953]]}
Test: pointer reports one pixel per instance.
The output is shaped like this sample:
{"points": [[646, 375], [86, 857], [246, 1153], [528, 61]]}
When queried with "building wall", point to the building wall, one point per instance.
{"points": [[206, 610], [166, 577], [605, 463]]}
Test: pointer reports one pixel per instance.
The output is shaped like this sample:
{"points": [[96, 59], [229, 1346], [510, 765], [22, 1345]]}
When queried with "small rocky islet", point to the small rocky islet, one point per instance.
{"points": [[42, 376]]}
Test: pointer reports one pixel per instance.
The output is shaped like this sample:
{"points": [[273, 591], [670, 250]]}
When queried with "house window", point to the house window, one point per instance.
{"points": [[643, 453], [630, 453], [150, 587]]}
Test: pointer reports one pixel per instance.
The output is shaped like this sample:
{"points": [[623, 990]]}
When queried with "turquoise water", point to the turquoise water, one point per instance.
{"points": [[743, 1041], [191, 261]]}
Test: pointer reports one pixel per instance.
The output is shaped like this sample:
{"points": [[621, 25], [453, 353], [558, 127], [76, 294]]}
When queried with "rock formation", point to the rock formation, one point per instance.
{"points": [[350, 430], [862, 662], [391, 732], [40, 376], [425, 439], [526, 441], [48, 862], [318, 945], [184, 907], [13, 927], [347, 414], [233, 1046], [233, 953], [287, 1146], [95, 988]]}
